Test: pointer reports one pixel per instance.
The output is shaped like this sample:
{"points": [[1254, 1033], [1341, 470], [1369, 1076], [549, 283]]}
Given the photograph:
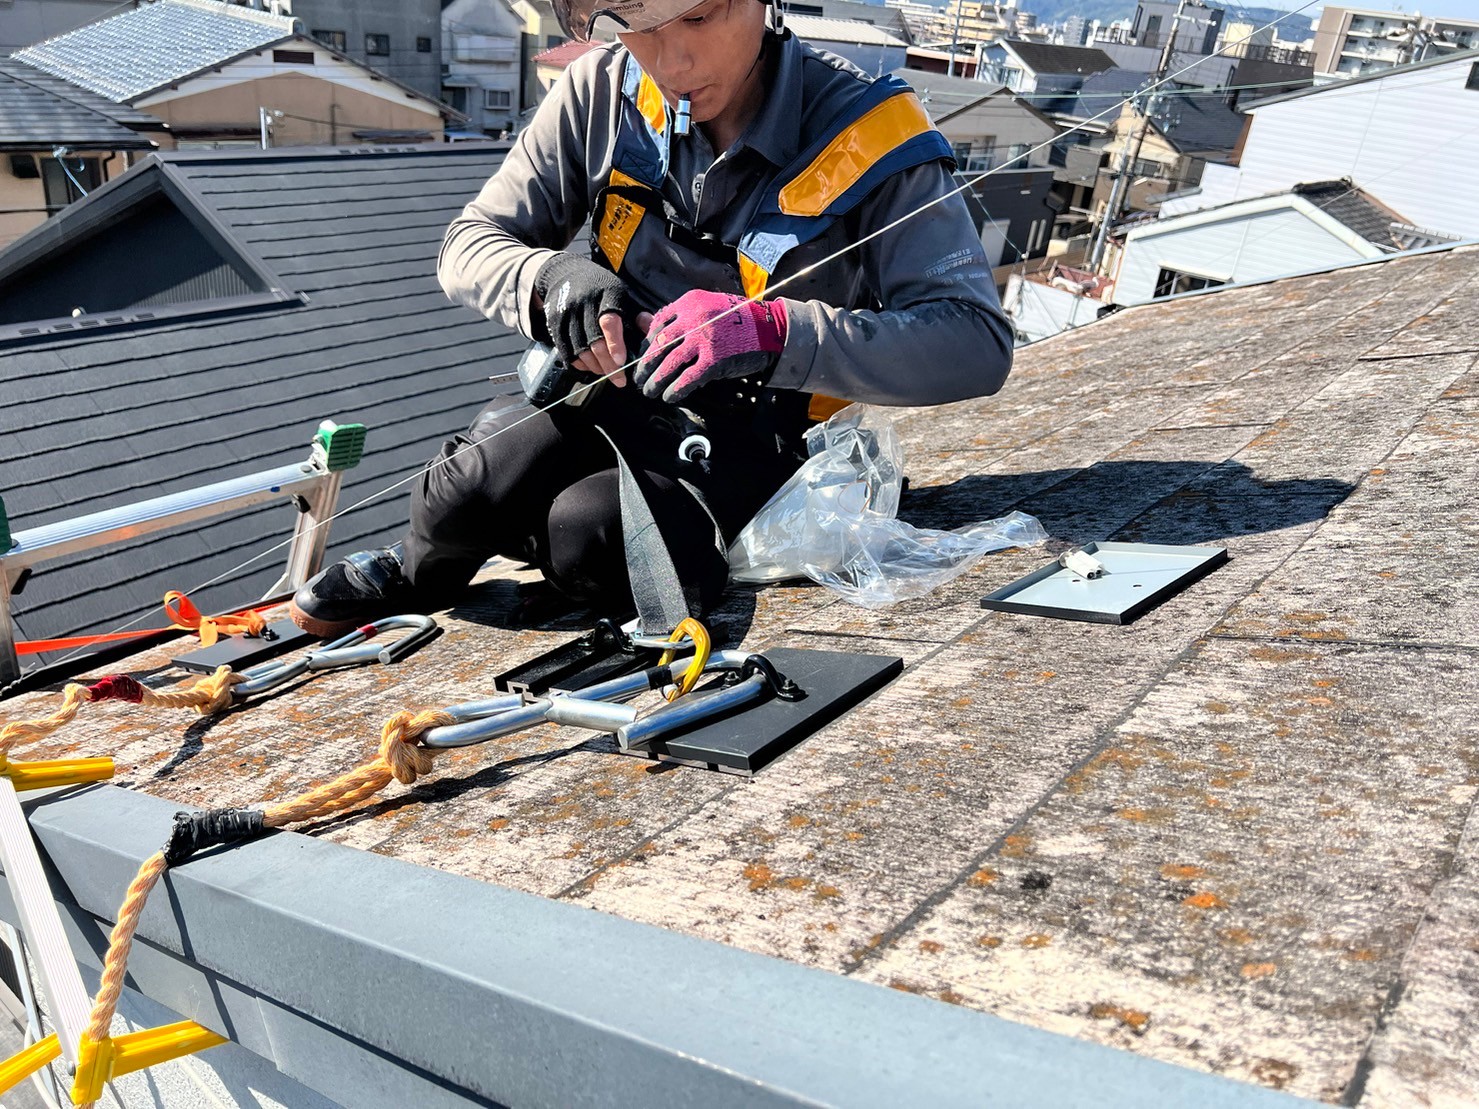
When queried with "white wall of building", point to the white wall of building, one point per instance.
{"points": [[481, 43], [1038, 310], [1249, 242], [1409, 137], [1005, 124]]}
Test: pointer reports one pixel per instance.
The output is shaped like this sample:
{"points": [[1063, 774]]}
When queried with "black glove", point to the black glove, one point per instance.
{"points": [[576, 294]]}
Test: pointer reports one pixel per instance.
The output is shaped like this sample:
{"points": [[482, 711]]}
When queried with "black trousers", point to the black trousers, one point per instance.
{"points": [[542, 487]]}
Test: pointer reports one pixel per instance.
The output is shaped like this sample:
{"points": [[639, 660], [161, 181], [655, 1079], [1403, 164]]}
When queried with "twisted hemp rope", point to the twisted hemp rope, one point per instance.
{"points": [[400, 757], [208, 695]]}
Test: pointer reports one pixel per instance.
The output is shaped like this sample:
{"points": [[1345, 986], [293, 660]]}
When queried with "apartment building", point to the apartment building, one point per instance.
{"points": [[1353, 41]]}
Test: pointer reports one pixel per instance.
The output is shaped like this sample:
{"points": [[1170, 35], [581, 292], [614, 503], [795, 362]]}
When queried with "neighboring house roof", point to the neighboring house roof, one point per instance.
{"points": [[1100, 94], [122, 114], [1196, 122], [563, 55], [1258, 71], [1002, 91], [1042, 58], [815, 28], [347, 321], [1355, 208], [1345, 203], [32, 117], [136, 52], [943, 94]]}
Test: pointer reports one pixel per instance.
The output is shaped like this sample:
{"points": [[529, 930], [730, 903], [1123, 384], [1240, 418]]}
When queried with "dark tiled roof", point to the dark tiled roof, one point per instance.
{"points": [[122, 114], [100, 420], [1101, 92], [1043, 58], [137, 51], [33, 115], [1197, 122], [1358, 210]]}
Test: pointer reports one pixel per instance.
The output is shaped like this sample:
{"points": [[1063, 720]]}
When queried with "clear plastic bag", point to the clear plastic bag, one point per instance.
{"points": [[835, 522]]}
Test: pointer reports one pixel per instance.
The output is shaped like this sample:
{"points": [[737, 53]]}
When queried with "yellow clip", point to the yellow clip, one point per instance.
{"points": [[25, 1063], [101, 1061], [695, 631], [55, 772]]}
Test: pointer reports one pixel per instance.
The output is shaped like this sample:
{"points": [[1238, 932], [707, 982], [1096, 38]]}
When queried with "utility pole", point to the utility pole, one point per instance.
{"points": [[1144, 105], [954, 38]]}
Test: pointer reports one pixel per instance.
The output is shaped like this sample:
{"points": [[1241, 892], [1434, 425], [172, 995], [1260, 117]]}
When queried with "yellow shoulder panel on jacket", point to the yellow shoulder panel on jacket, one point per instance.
{"points": [[650, 103], [852, 153]]}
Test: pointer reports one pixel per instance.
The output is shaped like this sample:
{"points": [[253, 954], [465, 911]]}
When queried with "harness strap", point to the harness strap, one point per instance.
{"points": [[657, 590]]}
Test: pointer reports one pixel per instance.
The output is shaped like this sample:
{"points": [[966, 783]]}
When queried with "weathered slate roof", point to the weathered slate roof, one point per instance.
{"points": [[135, 52], [39, 110], [93, 421], [1046, 58], [1099, 97], [1238, 835], [1197, 122]]}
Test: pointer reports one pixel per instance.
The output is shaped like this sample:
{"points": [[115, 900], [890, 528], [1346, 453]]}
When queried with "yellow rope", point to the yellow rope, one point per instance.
{"points": [[400, 757], [208, 695]]}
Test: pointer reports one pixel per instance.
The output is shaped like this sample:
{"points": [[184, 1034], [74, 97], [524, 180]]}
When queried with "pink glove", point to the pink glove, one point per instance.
{"points": [[692, 342]]}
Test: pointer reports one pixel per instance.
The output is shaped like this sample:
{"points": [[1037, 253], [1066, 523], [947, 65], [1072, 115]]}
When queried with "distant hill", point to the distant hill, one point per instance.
{"points": [[1056, 11]]}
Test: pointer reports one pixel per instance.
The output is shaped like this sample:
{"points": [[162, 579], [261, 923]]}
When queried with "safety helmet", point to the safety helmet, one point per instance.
{"points": [[578, 16]]}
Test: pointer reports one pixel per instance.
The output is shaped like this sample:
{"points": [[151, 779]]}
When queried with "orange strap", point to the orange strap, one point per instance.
{"points": [[182, 611], [183, 616]]}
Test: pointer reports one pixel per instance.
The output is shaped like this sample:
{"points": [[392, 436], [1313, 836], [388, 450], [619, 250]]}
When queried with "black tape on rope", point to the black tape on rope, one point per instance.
{"points": [[195, 831]]}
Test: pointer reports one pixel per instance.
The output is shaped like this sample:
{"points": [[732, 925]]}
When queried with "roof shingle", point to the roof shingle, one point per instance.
{"points": [[173, 406], [33, 115]]}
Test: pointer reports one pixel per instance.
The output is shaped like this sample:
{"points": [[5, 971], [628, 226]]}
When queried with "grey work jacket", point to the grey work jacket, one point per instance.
{"points": [[910, 316]]}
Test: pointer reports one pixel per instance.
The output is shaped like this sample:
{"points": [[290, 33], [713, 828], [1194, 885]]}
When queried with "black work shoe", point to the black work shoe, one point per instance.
{"points": [[363, 588]]}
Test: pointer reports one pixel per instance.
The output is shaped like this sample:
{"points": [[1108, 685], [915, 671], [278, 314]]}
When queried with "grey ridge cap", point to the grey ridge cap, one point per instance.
{"points": [[383, 983]]}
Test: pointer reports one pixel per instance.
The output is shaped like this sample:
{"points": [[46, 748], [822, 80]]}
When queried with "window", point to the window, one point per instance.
{"points": [[335, 39], [377, 46], [497, 100], [1473, 81], [1170, 282], [293, 57], [423, 45], [64, 182], [24, 166]]}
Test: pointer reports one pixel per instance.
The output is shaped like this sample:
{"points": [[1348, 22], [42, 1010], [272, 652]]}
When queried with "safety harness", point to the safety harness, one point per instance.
{"points": [[882, 131]]}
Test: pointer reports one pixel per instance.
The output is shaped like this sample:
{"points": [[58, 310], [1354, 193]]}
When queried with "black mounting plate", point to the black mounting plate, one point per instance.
{"points": [[241, 651], [749, 738]]}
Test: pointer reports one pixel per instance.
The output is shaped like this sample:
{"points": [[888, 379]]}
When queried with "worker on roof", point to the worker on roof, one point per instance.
{"points": [[801, 241]]}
